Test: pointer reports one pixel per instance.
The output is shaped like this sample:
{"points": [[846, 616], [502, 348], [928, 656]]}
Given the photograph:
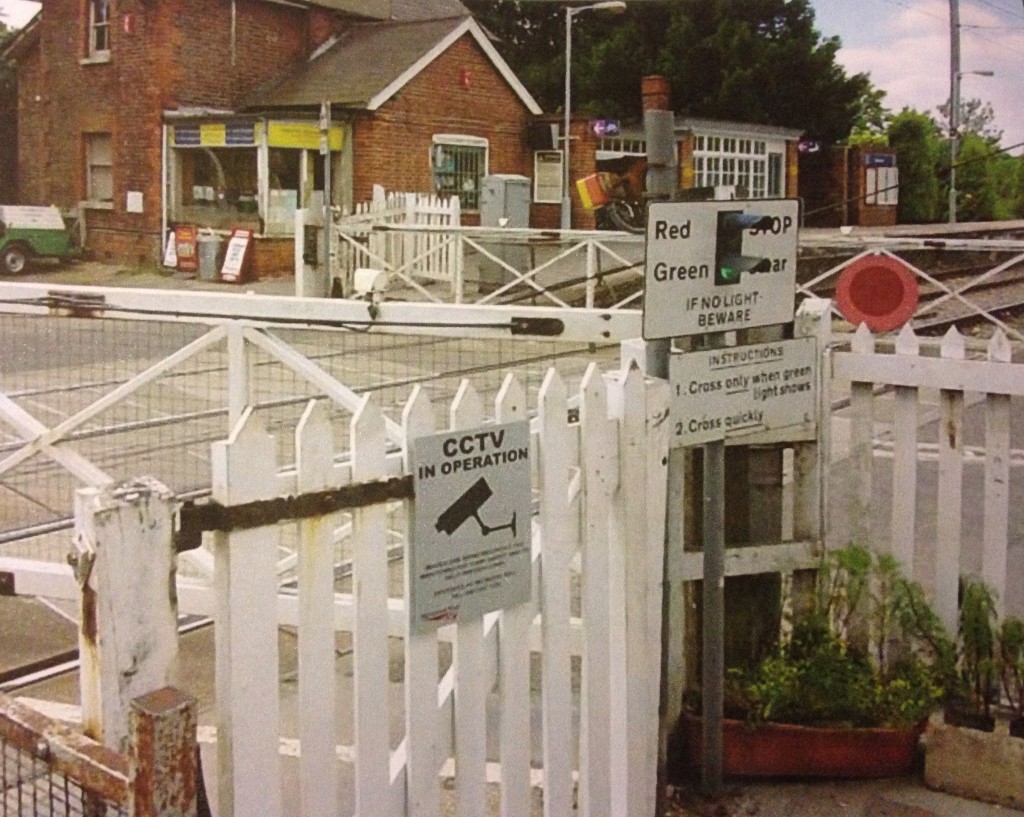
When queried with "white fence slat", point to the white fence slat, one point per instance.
{"points": [[421, 718], [468, 657], [997, 479], [370, 633], [318, 766], [557, 554], [904, 469], [245, 582], [652, 557], [597, 439], [950, 491], [513, 690], [862, 432], [514, 660], [630, 791]]}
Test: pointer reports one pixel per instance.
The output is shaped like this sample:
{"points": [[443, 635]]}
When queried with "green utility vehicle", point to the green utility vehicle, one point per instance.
{"points": [[28, 232]]}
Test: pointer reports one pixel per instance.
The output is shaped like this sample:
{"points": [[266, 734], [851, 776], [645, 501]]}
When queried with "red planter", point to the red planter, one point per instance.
{"points": [[784, 750]]}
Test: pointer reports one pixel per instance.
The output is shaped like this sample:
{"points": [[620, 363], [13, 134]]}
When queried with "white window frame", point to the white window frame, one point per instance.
{"points": [[469, 199], [99, 162], [99, 30], [736, 161]]}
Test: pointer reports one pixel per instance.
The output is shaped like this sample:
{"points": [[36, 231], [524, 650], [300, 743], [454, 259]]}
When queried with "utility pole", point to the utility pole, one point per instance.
{"points": [[954, 101]]}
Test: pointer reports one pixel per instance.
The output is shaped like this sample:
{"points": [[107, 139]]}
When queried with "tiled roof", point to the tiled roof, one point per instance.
{"points": [[364, 61]]}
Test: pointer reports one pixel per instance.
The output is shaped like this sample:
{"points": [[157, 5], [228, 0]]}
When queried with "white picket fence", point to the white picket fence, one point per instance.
{"points": [[598, 548], [964, 535], [359, 241]]}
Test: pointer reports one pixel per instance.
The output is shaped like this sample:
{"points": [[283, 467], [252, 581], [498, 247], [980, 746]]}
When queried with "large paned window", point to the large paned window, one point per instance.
{"points": [[745, 163], [99, 168], [458, 164], [218, 187], [99, 29]]}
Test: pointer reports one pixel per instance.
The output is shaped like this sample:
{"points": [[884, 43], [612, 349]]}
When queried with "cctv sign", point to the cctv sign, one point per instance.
{"points": [[469, 550], [717, 266]]}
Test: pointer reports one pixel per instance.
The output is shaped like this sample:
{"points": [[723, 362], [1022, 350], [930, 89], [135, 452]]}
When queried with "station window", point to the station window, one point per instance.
{"points": [[99, 29], [459, 164], [744, 163], [99, 168]]}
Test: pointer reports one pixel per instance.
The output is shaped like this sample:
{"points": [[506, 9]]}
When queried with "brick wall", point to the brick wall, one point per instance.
{"points": [[163, 56], [392, 145]]}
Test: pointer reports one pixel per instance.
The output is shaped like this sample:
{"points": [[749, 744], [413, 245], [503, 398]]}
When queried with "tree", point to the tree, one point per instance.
{"points": [[975, 117], [8, 118], [757, 61], [918, 143], [873, 119]]}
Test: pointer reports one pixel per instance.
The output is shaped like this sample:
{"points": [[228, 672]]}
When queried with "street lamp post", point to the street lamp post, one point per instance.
{"points": [[570, 12], [954, 133]]}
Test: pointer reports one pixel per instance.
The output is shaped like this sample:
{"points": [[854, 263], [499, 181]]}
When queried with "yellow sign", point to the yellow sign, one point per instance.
{"points": [[301, 135], [213, 134]]}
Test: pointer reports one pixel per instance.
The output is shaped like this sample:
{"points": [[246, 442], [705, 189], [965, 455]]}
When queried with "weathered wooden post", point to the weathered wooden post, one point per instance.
{"points": [[128, 637]]}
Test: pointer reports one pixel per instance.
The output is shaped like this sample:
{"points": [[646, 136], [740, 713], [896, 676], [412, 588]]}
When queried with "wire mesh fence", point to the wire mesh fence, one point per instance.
{"points": [[58, 374], [31, 788]]}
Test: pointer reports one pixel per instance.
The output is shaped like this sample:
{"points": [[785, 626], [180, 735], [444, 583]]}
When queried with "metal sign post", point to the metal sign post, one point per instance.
{"points": [[715, 267]]}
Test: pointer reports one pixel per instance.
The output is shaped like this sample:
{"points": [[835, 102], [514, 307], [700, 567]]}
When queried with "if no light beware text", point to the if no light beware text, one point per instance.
{"points": [[718, 266]]}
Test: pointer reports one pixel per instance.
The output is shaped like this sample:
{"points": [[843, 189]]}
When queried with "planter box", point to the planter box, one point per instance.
{"points": [[785, 750], [985, 766]]}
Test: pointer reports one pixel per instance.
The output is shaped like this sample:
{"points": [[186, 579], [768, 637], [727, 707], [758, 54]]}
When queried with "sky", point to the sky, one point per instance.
{"points": [[903, 44]]}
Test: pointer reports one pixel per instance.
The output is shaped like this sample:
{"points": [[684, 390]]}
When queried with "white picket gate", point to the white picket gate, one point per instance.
{"points": [[967, 538], [359, 240], [600, 484]]}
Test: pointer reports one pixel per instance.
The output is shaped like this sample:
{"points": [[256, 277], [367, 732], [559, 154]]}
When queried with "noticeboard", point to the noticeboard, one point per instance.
{"points": [[469, 552], [683, 294], [764, 392], [236, 256], [186, 247]]}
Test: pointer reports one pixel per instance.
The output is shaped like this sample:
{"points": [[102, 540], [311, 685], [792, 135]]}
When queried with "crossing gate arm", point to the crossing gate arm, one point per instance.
{"points": [[470, 320]]}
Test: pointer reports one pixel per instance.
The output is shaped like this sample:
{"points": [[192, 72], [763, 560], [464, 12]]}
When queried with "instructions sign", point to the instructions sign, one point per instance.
{"points": [[767, 390], [470, 547], [717, 266]]}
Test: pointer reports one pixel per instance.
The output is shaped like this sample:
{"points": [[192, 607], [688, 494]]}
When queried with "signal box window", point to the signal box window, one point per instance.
{"points": [[99, 29], [458, 165], [99, 168]]}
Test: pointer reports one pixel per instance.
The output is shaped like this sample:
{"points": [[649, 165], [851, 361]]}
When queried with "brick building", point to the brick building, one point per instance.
{"points": [[148, 114]]}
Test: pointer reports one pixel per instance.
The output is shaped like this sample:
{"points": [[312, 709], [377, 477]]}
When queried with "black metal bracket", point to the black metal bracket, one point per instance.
{"points": [[212, 516]]}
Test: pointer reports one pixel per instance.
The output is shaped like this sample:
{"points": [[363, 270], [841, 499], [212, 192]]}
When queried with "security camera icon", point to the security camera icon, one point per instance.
{"points": [[468, 507]]}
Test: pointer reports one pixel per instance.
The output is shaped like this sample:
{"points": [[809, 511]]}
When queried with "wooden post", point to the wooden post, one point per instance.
{"points": [[128, 637]]}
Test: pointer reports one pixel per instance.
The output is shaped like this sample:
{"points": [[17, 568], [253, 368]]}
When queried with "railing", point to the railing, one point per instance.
{"points": [[47, 768]]}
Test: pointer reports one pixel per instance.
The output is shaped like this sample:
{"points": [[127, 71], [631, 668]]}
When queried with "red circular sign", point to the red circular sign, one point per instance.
{"points": [[879, 291]]}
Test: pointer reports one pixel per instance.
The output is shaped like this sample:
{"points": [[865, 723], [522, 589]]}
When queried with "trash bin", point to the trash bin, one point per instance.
{"points": [[209, 252]]}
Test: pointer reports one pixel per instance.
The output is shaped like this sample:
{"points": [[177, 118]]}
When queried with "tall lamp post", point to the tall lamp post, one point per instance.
{"points": [[570, 13], [954, 135]]}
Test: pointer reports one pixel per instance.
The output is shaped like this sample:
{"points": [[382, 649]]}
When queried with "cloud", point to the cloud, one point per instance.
{"points": [[911, 63]]}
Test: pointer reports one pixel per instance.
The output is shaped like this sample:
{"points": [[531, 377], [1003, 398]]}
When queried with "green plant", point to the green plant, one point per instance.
{"points": [[1010, 660], [852, 656]]}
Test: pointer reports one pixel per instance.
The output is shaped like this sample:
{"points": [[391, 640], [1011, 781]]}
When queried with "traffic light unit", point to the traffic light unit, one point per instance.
{"points": [[730, 262]]}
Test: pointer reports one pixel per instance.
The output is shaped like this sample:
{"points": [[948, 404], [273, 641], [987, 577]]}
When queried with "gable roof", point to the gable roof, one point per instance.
{"points": [[395, 9], [371, 62]]}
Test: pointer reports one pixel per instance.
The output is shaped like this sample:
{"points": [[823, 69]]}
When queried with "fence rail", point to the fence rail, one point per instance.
{"points": [[48, 768]]}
